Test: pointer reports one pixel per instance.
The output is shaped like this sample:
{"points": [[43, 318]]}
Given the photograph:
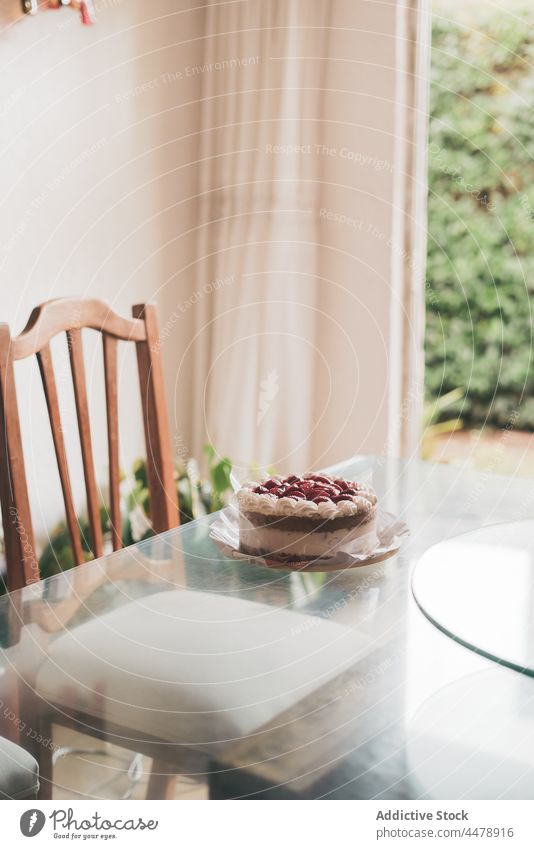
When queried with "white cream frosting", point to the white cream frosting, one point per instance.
{"points": [[271, 505]]}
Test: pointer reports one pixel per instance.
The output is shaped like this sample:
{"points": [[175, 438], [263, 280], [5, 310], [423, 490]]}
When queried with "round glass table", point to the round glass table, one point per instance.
{"points": [[478, 588], [474, 739]]}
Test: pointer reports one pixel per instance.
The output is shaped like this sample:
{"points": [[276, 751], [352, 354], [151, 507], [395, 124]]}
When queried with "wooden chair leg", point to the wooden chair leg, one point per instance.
{"points": [[36, 737], [162, 783], [10, 705], [44, 752]]}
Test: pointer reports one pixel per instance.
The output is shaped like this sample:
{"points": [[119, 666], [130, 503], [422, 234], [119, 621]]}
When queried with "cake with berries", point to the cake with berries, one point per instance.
{"points": [[302, 518]]}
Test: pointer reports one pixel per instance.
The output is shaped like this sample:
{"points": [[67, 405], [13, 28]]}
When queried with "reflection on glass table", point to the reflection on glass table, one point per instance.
{"points": [[258, 682], [479, 589], [474, 739]]}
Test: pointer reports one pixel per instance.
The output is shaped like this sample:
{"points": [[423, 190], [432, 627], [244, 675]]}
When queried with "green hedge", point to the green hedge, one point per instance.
{"points": [[480, 269]]}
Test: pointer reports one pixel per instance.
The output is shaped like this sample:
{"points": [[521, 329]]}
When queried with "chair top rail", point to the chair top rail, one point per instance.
{"points": [[63, 314]]}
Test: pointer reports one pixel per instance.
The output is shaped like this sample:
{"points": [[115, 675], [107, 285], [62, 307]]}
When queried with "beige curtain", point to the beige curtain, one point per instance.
{"points": [[255, 346], [293, 316]]}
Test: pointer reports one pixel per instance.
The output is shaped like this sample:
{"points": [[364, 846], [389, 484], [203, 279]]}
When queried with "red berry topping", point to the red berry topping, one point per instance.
{"points": [[316, 488], [322, 479], [295, 491]]}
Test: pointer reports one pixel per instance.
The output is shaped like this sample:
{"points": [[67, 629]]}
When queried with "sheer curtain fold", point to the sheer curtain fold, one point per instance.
{"points": [[255, 342], [277, 283]]}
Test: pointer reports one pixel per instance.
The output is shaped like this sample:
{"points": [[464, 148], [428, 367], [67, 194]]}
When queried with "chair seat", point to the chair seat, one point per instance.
{"points": [[19, 776], [194, 668]]}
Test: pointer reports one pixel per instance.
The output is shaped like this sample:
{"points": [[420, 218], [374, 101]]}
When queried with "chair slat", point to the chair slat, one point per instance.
{"points": [[44, 358], [163, 495], [74, 338], [112, 408], [19, 542]]}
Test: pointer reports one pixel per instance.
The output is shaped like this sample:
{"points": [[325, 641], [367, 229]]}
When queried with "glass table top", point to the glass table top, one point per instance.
{"points": [[266, 683], [479, 589]]}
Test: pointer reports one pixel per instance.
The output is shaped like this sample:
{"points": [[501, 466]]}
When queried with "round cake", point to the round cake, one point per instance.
{"points": [[303, 518]]}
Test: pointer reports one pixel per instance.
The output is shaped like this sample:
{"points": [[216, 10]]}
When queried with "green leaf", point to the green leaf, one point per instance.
{"points": [[210, 453], [221, 476]]}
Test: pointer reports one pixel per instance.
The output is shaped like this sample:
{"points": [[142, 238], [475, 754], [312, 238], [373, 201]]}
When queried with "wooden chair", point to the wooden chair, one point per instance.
{"points": [[70, 316]]}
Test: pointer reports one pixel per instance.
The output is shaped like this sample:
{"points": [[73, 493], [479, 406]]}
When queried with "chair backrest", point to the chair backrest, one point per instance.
{"points": [[69, 315]]}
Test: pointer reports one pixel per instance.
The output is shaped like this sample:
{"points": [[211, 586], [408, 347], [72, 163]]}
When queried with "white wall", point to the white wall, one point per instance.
{"points": [[98, 189]]}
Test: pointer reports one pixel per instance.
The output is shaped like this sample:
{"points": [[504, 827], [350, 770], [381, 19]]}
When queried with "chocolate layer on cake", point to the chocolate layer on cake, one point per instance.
{"points": [[302, 523]]}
